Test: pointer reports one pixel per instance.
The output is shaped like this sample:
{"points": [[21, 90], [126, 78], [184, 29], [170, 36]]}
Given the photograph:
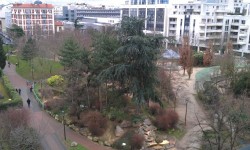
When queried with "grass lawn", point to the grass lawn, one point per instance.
{"points": [[43, 68], [4, 93]]}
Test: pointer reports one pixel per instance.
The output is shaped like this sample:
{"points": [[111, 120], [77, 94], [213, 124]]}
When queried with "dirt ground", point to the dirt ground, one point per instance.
{"points": [[186, 94]]}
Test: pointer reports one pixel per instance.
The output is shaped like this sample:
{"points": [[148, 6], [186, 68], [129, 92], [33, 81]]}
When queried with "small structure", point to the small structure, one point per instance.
{"points": [[170, 59]]}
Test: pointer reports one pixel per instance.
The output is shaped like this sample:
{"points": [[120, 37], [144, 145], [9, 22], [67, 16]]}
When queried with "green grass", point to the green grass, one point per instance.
{"points": [[43, 68], [78, 147], [4, 92], [177, 133], [7, 48]]}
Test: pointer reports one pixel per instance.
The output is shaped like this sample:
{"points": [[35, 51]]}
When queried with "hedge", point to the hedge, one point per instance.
{"points": [[15, 98]]}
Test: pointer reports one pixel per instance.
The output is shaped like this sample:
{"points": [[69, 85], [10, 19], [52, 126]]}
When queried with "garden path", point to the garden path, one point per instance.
{"points": [[51, 131], [193, 135]]}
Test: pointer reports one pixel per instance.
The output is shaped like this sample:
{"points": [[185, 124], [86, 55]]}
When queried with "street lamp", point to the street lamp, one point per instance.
{"points": [[64, 132]]}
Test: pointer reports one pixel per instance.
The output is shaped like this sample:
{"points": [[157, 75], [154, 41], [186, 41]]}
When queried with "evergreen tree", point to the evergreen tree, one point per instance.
{"points": [[2, 55], [16, 31], [70, 53], [29, 50], [138, 54]]}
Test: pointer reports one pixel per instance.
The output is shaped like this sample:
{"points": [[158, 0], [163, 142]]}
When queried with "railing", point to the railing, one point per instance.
{"points": [[37, 97]]}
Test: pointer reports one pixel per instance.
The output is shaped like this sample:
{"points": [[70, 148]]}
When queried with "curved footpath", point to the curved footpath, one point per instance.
{"points": [[51, 131]]}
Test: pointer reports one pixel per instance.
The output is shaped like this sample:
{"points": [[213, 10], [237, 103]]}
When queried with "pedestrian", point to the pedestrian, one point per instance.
{"points": [[9, 64], [19, 91], [31, 88], [28, 101], [16, 90]]}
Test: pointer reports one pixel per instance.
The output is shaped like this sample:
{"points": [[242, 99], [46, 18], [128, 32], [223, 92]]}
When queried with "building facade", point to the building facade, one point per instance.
{"points": [[34, 18], [73, 12], [204, 21]]}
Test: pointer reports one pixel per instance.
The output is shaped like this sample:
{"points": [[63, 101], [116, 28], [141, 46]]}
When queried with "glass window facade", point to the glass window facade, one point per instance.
{"points": [[142, 2], [163, 1], [133, 12], [151, 1], [125, 12], [150, 18], [159, 19], [142, 13]]}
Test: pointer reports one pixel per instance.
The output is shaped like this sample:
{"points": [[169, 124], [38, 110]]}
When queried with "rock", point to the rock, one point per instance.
{"points": [[73, 144], [151, 144], [106, 143], [57, 117], [71, 126], [126, 124], [90, 137], [147, 122], [150, 139], [84, 132], [118, 131], [101, 142], [164, 142], [76, 129], [159, 147], [95, 139]]}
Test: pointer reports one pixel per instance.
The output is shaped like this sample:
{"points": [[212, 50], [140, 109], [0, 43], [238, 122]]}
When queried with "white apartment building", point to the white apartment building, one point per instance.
{"points": [[34, 17], [204, 21]]}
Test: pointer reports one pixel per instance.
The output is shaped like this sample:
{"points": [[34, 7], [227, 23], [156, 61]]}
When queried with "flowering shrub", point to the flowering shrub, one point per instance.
{"points": [[55, 80]]}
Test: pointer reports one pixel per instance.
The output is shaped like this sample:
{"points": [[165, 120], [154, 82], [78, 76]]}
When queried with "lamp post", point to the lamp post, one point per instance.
{"points": [[64, 132]]}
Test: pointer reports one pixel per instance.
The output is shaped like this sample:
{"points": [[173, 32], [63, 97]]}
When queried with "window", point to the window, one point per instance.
{"points": [[243, 22], [175, 6], [185, 7]]}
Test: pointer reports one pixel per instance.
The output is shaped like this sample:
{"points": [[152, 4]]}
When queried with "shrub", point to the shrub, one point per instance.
{"points": [[55, 80], [17, 117], [198, 59], [166, 120], [97, 124], [242, 84], [115, 114], [154, 108], [54, 104], [16, 99], [137, 141], [1, 72]]}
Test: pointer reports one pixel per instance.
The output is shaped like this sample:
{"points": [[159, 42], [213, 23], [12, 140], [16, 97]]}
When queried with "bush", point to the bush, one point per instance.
{"points": [[166, 120], [54, 104], [55, 80], [115, 114], [97, 124], [242, 84], [154, 108], [137, 141], [16, 99], [17, 117], [198, 59]]}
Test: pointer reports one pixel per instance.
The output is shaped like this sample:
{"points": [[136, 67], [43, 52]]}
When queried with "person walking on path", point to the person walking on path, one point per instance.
{"points": [[9, 64], [28, 101], [19, 91]]}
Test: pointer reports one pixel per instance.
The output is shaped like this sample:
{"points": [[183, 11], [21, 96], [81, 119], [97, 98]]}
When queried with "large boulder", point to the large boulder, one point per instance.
{"points": [[118, 131]]}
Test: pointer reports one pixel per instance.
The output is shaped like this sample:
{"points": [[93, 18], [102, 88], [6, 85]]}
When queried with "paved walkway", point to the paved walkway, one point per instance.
{"points": [[50, 130]]}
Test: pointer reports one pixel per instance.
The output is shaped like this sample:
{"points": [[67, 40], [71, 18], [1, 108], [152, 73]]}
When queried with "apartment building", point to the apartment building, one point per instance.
{"points": [[204, 21], [81, 11], [34, 18]]}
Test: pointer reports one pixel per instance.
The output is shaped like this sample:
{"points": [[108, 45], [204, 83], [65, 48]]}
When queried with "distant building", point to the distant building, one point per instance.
{"points": [[73, 12], [59, 26], [5, 17], [33, 17]]}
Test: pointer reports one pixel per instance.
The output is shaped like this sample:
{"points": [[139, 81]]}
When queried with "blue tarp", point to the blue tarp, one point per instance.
{"points": [[170, 54]]}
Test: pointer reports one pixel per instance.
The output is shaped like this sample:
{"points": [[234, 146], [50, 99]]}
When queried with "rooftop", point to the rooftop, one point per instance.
{"points": [[18, 5]]}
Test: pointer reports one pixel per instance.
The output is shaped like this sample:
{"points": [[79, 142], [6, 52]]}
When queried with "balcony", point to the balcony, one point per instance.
{"points": [[243, 34], [202, 23], [234, 30], [235, 23], [244, 26], [171, 34], [242, 42], [172, 28], [172, 22], [214, 30], [215, 24]]}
